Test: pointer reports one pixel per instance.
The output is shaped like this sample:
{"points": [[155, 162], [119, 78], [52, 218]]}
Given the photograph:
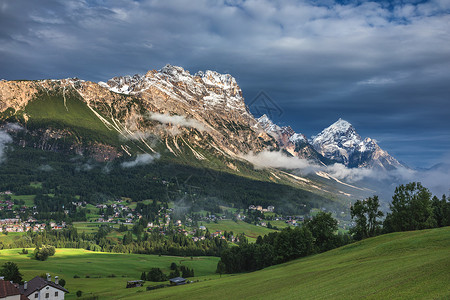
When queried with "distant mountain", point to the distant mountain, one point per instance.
{"points": [[338, 143], [296, 144], [341, 143]]}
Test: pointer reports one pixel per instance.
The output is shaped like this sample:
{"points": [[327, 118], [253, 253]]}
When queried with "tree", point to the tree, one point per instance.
{"points": [[220, 268], [155, 274], [322, 227], [441, 211], [367, 216], [411, 209], [10, 272], [62, 282], [173, 266], [174, 273], [127, 238]]}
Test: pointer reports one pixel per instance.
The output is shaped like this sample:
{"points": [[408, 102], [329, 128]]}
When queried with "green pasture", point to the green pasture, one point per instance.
{"points": [[407, 265], [251, 231], [104, 274]]}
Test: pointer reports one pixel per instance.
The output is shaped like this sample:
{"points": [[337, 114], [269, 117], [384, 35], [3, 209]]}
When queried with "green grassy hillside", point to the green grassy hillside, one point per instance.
{"points": [[408, 265], [65, 110]]}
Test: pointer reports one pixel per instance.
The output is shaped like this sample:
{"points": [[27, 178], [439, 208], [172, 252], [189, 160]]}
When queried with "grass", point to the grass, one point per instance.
{"points": [[98, 266], [408, 265], [52, 109], [8, 239], [29, 199], [90, 227], [251, 231]]}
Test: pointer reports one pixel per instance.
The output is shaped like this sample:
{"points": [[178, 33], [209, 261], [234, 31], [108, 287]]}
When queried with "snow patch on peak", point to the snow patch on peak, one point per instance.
{"points": [[340, 126], [225, 81], [176, 73], [297, 138], [209, 89], [268, 125]]}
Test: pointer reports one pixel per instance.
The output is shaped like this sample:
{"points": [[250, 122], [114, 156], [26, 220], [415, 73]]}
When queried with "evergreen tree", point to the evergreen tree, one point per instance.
{"points": [[10, 272]]}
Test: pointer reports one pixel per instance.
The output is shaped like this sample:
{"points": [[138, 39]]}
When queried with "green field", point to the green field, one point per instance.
{"points": [[98, 266], [251, 231], [408, 265]]}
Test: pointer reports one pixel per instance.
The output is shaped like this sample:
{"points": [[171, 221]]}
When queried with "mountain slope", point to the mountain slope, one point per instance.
{"points": [[407, 265]]}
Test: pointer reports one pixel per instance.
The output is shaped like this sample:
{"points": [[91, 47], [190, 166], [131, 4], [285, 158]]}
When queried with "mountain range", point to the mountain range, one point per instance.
{"points": [[200, 120], [338, 143]]}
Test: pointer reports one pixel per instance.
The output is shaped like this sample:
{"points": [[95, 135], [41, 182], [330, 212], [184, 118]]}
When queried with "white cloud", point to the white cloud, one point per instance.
{"points": [[4, 140], [275, 159], [175, 120], [141, 159], [45, 168], [352, 175]]}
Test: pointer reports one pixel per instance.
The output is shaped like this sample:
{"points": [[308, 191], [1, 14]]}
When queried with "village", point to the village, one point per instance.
{"points": [[167, 219]]}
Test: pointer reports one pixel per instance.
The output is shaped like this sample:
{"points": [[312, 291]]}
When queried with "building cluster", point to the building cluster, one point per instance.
{"points": [[17, 225], [269, 208]]}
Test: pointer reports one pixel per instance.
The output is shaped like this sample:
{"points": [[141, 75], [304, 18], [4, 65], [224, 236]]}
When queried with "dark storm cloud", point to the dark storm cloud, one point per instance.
{"points": [[383, 66]]}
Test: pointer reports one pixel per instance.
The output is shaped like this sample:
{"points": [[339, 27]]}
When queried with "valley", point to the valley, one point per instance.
{"points": [[106, 184]]}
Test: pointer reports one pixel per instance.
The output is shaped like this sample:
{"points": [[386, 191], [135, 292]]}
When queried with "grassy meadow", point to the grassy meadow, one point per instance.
{"points": [[250, 231], [407, 265], [107, 272]]}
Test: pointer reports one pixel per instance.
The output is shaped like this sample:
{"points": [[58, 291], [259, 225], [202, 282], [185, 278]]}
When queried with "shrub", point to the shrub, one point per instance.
{"points": [[44, 252]]}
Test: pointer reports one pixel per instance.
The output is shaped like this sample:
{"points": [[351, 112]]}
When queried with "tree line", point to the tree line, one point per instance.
{"points": [[317, 235], [412, 208]]}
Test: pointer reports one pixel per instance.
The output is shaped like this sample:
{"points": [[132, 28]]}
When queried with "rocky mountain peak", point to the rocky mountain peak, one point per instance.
{"points": [[268, 126], [341, 133], [341, 143], [225, 81]]}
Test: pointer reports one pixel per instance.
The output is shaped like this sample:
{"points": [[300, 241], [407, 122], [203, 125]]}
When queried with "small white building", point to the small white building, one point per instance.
{"points": [[41, 289]]}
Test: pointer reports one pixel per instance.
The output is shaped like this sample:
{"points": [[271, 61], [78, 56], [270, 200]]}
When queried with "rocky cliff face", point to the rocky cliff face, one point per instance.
{"points": [[169, 107]]}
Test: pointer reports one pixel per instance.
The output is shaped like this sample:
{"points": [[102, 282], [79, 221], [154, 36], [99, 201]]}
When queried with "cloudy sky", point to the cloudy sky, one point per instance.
{"points": [[384, 66]]}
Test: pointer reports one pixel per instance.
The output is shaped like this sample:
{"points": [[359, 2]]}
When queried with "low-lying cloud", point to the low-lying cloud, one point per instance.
{"points": [[175, 120], [141, 159], [436, 179], [45, 168], [274, 159], [4, 140]]}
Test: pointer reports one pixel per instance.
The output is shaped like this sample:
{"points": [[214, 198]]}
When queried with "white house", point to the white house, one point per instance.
{"points": [[41, 289]]}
